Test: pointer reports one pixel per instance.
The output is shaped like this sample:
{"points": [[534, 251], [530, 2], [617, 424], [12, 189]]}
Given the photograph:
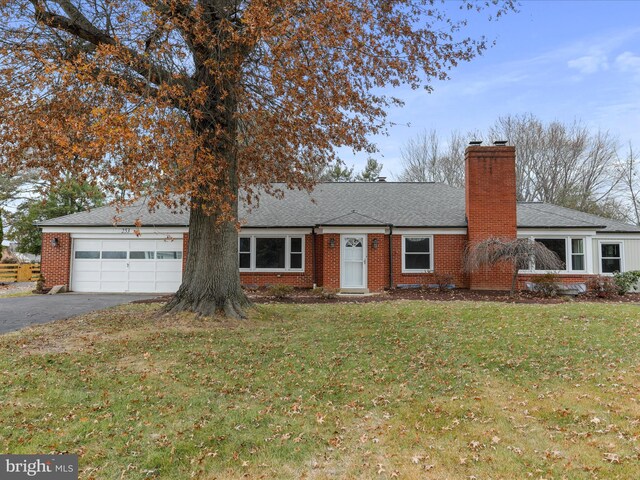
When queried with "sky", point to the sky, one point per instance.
{"points": [[559, 60]]}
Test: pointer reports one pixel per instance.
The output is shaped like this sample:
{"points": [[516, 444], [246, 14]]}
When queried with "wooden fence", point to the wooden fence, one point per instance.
{"points": [[19, 272]]}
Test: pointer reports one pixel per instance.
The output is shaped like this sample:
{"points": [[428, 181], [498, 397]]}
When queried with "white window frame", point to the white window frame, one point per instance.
{"points": [[430, 253], [569, 254], [600, 258], [287, 258]]}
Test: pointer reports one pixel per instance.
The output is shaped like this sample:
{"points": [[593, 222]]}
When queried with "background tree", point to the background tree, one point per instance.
{"points": [[630, 184], [336, 172], [371, 171], [518, 253], [425, 158], [203, 96], [566, 165], [64, 198]]}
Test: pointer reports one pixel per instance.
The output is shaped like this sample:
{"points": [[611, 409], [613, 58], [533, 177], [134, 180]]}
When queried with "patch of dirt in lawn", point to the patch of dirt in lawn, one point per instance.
{"points": [[304, 296]]}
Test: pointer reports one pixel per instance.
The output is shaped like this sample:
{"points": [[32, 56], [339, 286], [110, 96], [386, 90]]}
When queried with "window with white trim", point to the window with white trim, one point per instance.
{"points": [[417, 254], [610, 257], [570, 250], [271, 253]]}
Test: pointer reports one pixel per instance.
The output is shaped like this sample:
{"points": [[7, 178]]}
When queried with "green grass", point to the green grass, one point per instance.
{"points": [[379, 390]]}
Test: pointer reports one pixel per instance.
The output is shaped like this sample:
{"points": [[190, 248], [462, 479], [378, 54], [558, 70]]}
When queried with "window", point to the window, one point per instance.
{"points": [[571, 251], [577, 254], [142, 255], [87, 255], [417, 254], [611, 257], [244, 252], [271, 253], [169, 255], [107, 255], [295, 255], [557, 246]]}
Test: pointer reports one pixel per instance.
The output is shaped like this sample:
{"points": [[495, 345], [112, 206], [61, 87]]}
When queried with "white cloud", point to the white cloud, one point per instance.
{"points": [[628, 62], [589, 64]]}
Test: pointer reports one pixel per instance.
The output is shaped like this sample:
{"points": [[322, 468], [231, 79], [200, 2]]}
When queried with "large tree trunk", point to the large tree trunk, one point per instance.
{"points": [[211, 282]]}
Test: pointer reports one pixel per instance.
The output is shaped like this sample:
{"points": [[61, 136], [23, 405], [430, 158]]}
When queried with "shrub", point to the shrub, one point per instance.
{"points": [[325, 292], [625, 281], [602, 287], [280, 291], [548, 285], [442, 281], [40, 284], [329, 293], [10, 259]]}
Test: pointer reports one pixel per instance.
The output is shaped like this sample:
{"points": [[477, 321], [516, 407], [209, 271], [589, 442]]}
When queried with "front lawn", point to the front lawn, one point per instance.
{"points": [[379, 390]]}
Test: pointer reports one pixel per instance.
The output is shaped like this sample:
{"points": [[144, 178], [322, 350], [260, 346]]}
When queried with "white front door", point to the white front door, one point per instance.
{"points": [[354, 261]]}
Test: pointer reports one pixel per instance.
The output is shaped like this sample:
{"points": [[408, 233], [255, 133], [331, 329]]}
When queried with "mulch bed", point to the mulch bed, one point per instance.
{"points": [[304, 296]]}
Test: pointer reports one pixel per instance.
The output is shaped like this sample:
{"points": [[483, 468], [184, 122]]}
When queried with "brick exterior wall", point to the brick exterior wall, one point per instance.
{"points": [[56, 261], [447, 260], [564, 278], [330, 260], [490, 202], [447, 251]]}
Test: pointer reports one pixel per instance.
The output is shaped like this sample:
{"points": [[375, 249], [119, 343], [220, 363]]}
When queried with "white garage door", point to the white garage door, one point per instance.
{"points": [[126, 265]]}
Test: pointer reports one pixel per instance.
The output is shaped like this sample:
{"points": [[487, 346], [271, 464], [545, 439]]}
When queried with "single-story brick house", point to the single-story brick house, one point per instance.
{"points": [[349, 236]]}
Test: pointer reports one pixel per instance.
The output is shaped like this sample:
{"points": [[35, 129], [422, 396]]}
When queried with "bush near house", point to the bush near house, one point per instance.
{"points": [[626, 281]]}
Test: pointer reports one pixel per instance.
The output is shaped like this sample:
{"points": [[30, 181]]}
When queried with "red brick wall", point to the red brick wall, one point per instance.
{"points": [[564, 278], [295, 279], [319, 260], [330, 260], [447, 251], [56, 261], [378, 262], [490, 177]]}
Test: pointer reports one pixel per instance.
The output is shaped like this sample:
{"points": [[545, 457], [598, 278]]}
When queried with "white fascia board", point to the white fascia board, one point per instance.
{"points": [[556, 232], [618, 236], [429, 231], [275, 231], [347, 230], [116, 232]]}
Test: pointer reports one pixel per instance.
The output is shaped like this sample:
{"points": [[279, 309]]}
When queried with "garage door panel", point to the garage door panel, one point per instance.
{"points": [[121, 277], [167, 287], [141, 272], [142, 276], [142, 266], [142, 287], [169, 266], [115, 245], [86, 265], [87, 244]]}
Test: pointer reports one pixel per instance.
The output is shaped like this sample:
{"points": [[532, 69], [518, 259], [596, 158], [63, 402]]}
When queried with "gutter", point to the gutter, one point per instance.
{"points": [[390, 257]]}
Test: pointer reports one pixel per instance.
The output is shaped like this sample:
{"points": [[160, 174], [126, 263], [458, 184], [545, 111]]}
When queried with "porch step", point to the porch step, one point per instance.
{"points": [[354, 291]]}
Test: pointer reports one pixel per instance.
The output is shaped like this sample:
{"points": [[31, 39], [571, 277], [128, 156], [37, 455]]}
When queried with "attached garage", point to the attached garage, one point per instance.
{"points": [[138, 265]]}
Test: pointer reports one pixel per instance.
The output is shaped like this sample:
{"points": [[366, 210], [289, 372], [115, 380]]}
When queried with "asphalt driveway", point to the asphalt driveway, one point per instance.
{"points": [[20, 312]]}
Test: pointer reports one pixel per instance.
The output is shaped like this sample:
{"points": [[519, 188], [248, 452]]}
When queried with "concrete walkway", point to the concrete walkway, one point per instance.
{"points": [[20, 312]]}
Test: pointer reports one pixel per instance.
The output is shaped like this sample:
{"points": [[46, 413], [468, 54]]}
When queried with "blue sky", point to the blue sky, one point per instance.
{"points": [[560, 60]]}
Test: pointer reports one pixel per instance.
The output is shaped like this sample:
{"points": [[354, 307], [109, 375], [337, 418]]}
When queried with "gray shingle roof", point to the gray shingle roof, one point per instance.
{"points": [[432, 205]]}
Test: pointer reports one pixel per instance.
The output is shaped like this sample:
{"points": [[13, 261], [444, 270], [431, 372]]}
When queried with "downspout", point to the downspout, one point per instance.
{"points": [[390, 257], [313, 254]]}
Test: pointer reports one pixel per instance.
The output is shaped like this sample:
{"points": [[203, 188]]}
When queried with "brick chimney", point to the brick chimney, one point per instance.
{"points": [[490, 194]]}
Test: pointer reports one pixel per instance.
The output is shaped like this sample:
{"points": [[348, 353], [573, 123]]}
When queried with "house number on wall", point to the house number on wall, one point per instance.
{"points": [[126, 230]]}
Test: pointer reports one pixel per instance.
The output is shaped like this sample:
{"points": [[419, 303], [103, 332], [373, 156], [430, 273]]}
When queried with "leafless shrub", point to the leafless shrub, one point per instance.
{"points": [[519, 253]]}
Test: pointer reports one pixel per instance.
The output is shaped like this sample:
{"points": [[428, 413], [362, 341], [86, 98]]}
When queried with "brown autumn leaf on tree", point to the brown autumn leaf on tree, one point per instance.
{"points": [[187, 101]]}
